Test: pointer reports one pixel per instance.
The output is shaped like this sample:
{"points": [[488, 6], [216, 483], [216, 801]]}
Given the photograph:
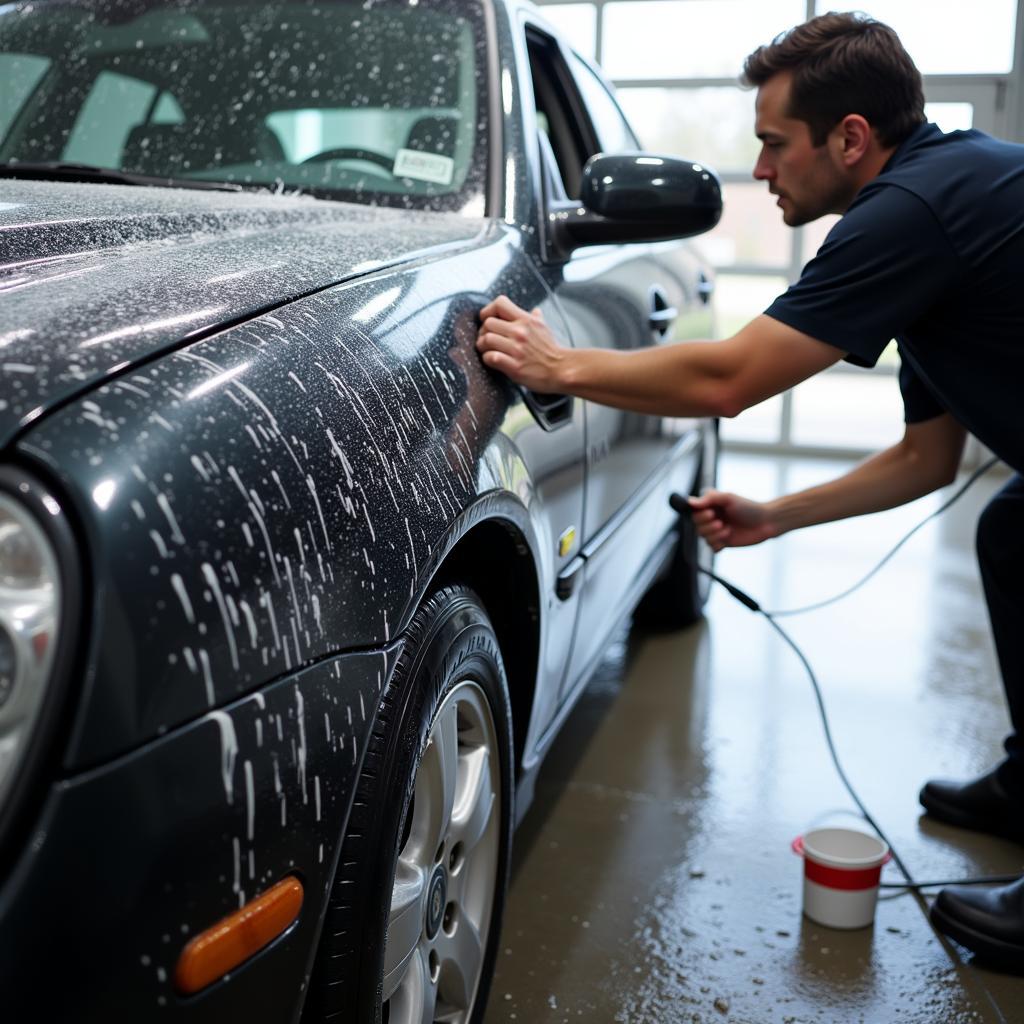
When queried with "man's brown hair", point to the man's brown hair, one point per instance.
{"points": [[844, 64]]}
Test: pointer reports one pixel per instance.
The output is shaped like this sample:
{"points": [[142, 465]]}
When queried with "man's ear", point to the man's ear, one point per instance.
{"points": [[851, 139]]}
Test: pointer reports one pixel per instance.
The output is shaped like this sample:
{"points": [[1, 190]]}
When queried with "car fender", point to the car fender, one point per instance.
{"points": [[270, 495]]}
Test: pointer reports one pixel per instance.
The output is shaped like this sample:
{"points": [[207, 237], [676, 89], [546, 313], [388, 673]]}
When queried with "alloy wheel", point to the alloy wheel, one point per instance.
{"points": [[446, 870]]}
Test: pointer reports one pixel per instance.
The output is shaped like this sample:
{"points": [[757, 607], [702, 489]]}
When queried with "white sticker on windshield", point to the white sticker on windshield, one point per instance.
{"points": [[411, 163]]}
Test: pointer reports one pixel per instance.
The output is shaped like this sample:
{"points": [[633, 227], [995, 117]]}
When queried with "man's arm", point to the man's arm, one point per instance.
{"points": [[925, 459], [719, 378]]}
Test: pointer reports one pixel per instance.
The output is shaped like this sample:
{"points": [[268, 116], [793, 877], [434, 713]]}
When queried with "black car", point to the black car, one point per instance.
{"points": [[294, 593]]}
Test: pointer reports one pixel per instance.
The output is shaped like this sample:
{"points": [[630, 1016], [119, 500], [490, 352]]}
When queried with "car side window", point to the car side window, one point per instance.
{"points": [[114, 105], [561, 114], [167, 110], [117, 109], [20, 74], [614, 131]]}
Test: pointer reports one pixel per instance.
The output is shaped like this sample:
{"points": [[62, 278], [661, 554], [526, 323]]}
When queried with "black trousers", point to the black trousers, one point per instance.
{"points": [[1000, 544]]}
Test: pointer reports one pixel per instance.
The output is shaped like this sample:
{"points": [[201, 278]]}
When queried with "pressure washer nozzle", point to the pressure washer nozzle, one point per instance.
{"points": [[680, 504]]}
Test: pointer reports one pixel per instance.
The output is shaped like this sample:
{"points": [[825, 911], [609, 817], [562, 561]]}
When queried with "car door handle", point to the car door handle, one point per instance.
{"points": [[550, 411], [661, 316]]}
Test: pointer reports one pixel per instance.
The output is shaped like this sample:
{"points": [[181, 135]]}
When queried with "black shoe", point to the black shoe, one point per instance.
{"points": [[983, 805], [989, 922]]}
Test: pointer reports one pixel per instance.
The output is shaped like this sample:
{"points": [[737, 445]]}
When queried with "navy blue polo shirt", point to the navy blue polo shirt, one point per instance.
{"points": [[931, 253]]}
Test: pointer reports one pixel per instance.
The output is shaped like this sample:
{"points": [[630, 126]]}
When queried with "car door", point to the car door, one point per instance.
{"points": [[621, 297]]}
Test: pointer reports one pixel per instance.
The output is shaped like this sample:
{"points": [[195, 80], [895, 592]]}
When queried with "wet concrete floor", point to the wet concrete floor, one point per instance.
{"points": [[653, 879]]}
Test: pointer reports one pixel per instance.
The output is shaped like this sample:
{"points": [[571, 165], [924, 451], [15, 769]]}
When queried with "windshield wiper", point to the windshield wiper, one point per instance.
{"points": [[61, 171]]}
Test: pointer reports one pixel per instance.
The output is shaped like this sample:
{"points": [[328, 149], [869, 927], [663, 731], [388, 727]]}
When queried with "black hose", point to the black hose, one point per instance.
{"points": [[682, 506], [980, 471]]}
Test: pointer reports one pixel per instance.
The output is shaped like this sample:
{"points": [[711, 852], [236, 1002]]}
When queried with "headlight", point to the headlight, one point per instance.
{"points": [[30, 607]]}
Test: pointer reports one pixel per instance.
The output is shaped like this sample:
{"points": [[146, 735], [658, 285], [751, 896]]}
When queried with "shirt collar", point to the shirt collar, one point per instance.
{"points": [[921, 134]]}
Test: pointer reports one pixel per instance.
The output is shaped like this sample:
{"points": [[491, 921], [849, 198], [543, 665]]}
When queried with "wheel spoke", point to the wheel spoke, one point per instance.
{"points": [[429, 992], [405, 924], [476, 800], [462, 958], [414, 1000], [446, 1014], [435, 787]]}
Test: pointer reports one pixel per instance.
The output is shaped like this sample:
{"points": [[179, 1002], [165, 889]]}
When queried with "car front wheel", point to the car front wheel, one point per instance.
{"points": [[412, 926]]}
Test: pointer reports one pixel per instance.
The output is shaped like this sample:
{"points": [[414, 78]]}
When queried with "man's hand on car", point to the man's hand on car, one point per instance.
{"points": [[520, 344]]}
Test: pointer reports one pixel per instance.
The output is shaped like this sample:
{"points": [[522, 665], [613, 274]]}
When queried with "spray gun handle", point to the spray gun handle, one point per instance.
{"points": [[680, 504]]}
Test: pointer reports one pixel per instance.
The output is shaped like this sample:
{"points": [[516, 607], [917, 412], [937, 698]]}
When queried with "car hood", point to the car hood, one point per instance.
{"points": [[96, 278]]}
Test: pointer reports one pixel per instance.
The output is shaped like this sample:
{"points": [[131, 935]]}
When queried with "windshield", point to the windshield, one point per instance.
{"points": [[379, 102]]}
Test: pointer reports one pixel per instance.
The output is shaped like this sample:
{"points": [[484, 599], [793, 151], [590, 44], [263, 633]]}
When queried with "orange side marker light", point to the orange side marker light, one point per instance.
{"points": [[235, 938]]}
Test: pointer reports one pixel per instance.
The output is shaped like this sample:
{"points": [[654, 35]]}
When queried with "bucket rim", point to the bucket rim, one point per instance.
{"points": [[882, 857]]}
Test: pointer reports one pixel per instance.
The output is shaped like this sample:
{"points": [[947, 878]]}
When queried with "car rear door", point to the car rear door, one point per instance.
{"points": [[623, 297]]}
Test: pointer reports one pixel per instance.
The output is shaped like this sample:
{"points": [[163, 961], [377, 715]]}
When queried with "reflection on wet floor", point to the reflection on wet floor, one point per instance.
{"points": [[653, 879]]}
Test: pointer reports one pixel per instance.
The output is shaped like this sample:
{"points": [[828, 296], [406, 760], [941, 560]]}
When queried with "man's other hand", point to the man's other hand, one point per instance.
{"points": [[728, 521], [520, 345]]}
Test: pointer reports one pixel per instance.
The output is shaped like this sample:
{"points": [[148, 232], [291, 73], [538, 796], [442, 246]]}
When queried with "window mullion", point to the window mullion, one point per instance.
{"points": [[1015, 114]]}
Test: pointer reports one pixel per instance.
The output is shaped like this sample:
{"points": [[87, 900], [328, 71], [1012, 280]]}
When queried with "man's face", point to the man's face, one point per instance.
{"points": [[807, 179]]}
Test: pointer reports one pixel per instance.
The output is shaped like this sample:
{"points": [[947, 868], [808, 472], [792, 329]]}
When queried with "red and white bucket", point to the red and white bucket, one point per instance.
{"points": [[842, 868]]}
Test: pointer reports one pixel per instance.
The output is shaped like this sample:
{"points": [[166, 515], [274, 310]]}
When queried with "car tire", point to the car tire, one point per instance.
{"points": [[417, 900], [677, 598]]}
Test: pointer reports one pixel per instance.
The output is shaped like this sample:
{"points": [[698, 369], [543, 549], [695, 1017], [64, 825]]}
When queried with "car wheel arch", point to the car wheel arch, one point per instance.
{"points": [[491, 548]]}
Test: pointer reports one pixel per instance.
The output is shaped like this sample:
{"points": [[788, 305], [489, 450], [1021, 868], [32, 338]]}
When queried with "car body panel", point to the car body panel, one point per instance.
{"points": [[100, 277], [606, 294], [255, 496], [186, 830], [633, 460]]}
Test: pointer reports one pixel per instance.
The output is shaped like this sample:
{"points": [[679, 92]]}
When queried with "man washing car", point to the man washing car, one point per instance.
{"points": [[928, 251]]}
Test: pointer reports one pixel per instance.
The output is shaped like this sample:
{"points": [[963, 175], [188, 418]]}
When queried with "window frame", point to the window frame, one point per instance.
{"points": [[571, 134], [603, 83]]}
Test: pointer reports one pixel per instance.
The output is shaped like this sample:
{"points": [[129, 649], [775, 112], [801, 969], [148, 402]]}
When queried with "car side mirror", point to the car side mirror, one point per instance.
{"points": [[637, 197]]}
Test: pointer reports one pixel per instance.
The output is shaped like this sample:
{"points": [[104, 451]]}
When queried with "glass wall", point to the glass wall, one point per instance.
{"points": [[675, 64]]}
